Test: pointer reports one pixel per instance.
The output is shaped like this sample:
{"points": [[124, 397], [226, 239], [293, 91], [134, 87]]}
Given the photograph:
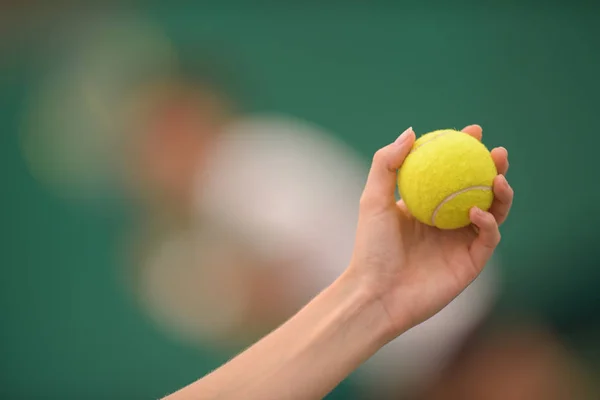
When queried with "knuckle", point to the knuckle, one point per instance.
{"points": [[379, 156], [365, 201], [500, 211], [502, 215], [492, 241], [491, 225], [369, 203], [510, 191], [497, 239], [489, 220]]}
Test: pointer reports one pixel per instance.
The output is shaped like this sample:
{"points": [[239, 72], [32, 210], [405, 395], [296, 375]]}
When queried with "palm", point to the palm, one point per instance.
{"points": [[419, 264], [438, 262]]}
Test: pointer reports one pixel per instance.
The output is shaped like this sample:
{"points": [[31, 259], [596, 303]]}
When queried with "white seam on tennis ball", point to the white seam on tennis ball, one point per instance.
{"points": [[452, 196], [431, 139]]}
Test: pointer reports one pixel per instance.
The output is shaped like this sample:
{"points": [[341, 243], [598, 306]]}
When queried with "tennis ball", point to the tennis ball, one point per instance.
{"points": [[446, 173]]}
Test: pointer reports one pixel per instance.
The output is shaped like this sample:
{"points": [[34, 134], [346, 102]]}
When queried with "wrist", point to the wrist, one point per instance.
{"points": [[366, 298]]}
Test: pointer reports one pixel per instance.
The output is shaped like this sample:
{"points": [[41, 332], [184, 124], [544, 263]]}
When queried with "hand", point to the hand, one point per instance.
{"points": [[414, 269]]}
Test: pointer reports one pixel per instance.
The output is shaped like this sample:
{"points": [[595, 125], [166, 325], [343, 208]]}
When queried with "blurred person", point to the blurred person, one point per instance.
{"points": [[401, 274], [255, 195], [242, 218], [521, 361], [276, 201], [74, 130], [281, 194]]}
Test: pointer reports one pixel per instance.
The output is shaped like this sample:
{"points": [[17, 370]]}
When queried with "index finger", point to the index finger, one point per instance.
{"points": [[381, 181]]}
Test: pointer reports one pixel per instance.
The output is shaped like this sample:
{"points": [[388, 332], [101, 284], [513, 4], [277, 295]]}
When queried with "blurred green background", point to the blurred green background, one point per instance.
{"points": [[527, 73]]}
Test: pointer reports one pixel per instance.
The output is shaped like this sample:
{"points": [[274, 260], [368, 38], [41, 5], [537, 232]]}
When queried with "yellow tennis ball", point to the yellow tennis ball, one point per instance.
{"points": [[446, 173]]}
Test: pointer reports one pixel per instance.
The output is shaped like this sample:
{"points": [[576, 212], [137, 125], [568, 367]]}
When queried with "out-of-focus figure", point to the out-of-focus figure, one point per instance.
{"points": [[282, 196], [76, 128], [242, 218], [517, 363]]}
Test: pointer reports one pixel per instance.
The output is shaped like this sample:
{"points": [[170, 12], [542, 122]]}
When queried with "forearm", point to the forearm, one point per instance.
{"points": [[307, 356]]}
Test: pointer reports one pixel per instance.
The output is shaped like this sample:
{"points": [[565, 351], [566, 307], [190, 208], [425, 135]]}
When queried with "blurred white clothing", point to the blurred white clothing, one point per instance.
{"points": [[290, 192]]}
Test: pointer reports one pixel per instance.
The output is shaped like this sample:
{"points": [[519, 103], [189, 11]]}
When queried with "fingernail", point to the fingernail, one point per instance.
{"points": [[403, 136], [478, 211]]}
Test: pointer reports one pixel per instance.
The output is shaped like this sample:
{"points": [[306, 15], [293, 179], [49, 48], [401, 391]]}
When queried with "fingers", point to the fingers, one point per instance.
{"points": [[487, 223], [381, 184], [503, 193], [499, 154], [483, 246], [500, 157], [474, 130], [503, 198]]}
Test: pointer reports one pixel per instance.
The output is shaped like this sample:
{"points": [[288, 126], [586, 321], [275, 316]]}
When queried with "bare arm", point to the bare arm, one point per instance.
{"points": [[307, 356]]}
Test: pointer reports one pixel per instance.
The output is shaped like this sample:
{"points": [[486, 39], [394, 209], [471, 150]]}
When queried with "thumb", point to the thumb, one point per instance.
{"points": [[380, 188]]}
